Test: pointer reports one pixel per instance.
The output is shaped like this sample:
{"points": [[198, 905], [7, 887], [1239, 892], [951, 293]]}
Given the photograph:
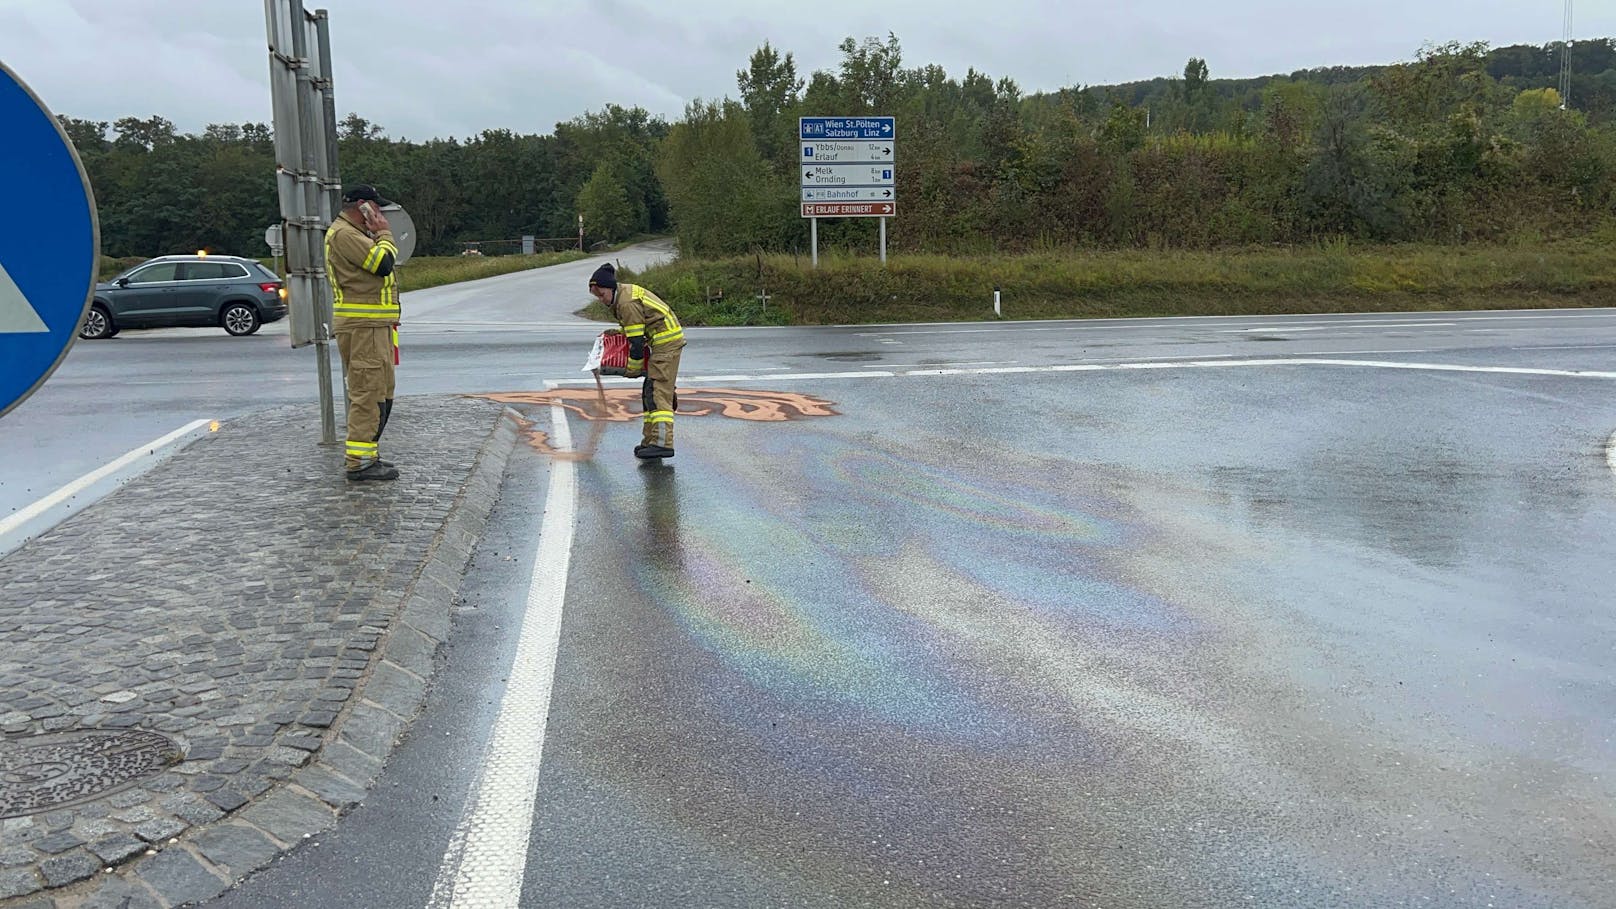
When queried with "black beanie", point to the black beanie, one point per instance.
{"points": [[604, 276]]}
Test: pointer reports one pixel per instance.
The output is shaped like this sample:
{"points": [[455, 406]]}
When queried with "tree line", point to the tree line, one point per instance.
{"points": [[1462, 143], [160, 191]]}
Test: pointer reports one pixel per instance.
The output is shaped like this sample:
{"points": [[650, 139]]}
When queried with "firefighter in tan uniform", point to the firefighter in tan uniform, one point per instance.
{"points": [[359, 258], [655, 341]]}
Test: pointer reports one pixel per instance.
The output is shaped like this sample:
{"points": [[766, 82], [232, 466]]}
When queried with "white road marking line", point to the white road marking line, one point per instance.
{"points": [[1313, 326], [1141, 365], [1209, 357], [1568, 347], [1501, 329], [1155, 359], [487, 856], [922, 366], [1339, 353], [12, 527], [1610, 453], [1294, 361], [1505, 389], [1199, 322], [619, 380]]}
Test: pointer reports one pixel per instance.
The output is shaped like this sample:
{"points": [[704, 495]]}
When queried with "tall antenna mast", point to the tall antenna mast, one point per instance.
{"points": [[1565, 62]]}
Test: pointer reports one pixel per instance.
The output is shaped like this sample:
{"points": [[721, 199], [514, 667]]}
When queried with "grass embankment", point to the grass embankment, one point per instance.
{"points": [[420, 272], [1330, 277]]}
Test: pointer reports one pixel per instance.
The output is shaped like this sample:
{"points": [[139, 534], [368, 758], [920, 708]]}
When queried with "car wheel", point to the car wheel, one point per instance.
{"points": [[97, 324], [240, 319]]}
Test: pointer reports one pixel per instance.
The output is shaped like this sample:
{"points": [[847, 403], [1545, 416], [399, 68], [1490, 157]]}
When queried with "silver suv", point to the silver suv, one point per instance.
{"points": [[230, 292]]}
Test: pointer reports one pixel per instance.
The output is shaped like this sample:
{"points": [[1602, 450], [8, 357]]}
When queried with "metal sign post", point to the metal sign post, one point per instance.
{"points": [[306, 177], [49, 252], [849, 170], [275, 239]]}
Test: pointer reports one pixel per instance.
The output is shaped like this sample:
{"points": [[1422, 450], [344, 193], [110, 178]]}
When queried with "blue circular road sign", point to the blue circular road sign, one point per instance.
{"points": [[50, 242]]}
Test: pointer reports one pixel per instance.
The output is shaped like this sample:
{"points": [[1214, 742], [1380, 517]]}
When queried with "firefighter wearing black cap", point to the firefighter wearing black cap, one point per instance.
{"points": [[655, 341], [359, 258]]}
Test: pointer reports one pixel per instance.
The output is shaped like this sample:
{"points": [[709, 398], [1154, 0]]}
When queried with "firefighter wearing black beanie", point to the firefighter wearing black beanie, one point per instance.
{"points": [[655, 342]]}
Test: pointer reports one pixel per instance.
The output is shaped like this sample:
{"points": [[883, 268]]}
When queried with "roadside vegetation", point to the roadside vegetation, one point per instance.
{"points": [[1460, 145], [1335, 276], [1460, 177]]}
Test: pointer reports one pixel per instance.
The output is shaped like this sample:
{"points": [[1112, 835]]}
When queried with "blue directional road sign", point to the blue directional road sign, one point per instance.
{"points": [[49, 242], [847, 127]]}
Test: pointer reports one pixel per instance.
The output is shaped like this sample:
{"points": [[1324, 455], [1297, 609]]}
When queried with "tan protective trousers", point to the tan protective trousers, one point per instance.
{"points": [[367, 362], [659, 396]]}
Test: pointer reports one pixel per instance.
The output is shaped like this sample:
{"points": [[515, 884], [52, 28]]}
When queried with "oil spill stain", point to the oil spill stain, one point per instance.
{"points": [[622, 405]]}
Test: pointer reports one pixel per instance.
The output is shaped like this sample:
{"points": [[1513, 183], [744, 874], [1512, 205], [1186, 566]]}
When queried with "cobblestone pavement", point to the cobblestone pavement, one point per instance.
{"points": [[214, 662]]}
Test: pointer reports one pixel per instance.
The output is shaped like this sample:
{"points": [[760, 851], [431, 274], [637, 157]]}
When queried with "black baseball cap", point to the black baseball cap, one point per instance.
{"points": [[364, 192]]}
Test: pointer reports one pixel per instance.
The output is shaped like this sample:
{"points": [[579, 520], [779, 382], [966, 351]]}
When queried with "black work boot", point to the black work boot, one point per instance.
{"points": [[658, 445], [375, 470]]}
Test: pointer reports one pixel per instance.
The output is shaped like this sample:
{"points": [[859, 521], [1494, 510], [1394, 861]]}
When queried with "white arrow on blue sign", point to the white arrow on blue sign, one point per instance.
{"points": [[49, 242]]}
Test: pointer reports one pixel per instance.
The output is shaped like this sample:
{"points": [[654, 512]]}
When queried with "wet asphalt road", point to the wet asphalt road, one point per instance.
{"points": [[1265, 634]]}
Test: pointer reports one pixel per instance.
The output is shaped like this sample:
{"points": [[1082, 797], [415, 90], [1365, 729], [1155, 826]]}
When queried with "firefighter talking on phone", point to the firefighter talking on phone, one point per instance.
{"points": [[359, 258]]}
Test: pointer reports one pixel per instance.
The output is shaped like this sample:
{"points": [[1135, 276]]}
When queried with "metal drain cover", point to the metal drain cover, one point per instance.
{"points": [[45, 772]]}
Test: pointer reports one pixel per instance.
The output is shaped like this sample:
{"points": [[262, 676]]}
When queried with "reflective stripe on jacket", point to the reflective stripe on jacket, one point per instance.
{"points": [[643, 315], [363, 285]]}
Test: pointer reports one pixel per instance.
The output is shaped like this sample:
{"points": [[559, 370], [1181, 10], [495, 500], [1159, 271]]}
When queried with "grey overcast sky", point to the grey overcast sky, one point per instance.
{"points": [[455, 67]]}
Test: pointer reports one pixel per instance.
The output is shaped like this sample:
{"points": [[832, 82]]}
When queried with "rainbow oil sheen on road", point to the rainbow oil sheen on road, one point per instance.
{"points": [[918, 676]]}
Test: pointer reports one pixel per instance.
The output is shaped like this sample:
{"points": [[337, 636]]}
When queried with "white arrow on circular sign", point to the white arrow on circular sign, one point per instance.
{"points": [[17, 315]]}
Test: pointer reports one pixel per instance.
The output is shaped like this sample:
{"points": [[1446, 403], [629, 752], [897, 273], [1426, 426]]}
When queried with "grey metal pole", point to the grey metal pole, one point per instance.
{"points": [[332, 196], [287, 46], [312, 233], [813, 234], [328, 91], [883, 241]]}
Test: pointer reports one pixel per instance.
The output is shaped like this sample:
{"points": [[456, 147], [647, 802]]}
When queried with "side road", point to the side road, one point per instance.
{"points": [[215, 662]]}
